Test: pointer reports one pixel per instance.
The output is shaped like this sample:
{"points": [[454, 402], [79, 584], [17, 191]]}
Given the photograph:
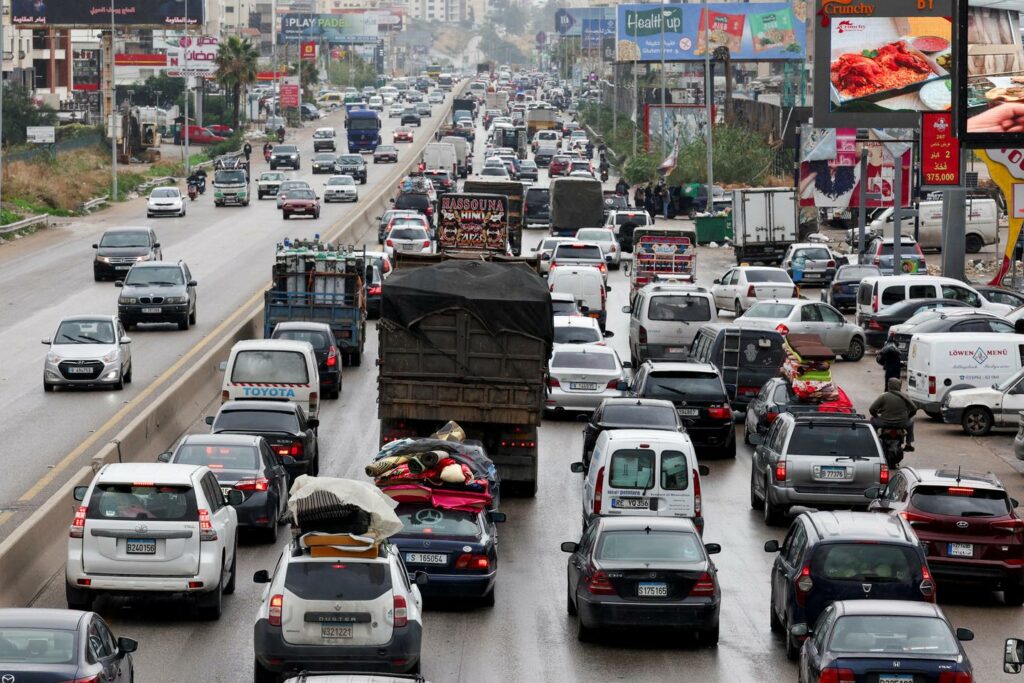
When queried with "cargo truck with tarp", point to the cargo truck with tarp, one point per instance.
{"points": [[320, 282], [477, 222], [467, 341], [575, 203]]}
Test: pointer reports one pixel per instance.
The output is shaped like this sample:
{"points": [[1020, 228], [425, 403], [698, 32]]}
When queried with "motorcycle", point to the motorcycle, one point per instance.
{"points": [[280, 136], [604, 175], [892, 439], [192, 191]]}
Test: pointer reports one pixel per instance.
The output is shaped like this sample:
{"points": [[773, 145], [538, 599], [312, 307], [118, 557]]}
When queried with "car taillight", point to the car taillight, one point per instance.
{"points": [[874, 299], [780, 470], [914, 517], [87, 679], [613, 384], [78, 524], [704, 586], [389, 243], [599, 491], [955, 677], [830, 264], [374, 290], [642, 335], [698, 508], [401, 610], [751, 292], [553, 382], [429, 211], [225, 396], [836, 675], [259, 484], [426, 243], [602, 267], [598, 584], [1009, 525], [206, 530], [931, 384], [883, 475], [874, 325], [782, 329], [332, 357], [771, 416], [803, 584], [927, 586], [471, 561], [276, 608], [314, 401], [720, 412]]}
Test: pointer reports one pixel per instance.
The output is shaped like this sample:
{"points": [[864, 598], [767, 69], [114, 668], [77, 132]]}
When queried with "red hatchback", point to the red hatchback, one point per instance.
{"points": [[967, 524], [559, 165], [301, 202], [402, 135]]}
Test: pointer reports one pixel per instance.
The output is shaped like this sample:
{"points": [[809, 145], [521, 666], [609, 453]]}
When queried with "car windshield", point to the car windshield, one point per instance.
{"points": [[639, 415], [386, 148], [589, 252], [301, 194], [353, 159], [286, 149], [165, 193], [270, 366], [229, 176], [120, 238], [960, 501], [165, 502], [893, 634], [341, 180], [37, 646], [318, 340], [271, 176], [769, 310], [876, 562], [495, 171], [155, 275], [248, 421], [573, 334], [854, 440], [323, 134], [579, 360], [856, 272], [694, 386], [649, 546], [595, 235], [85, 332], [679, 308], [636, 218], [435, 521], [218, 457], [812, 254], [407, 234], [905, 249], [768, 276], [324, 157], [295, 185], [564, 308]]}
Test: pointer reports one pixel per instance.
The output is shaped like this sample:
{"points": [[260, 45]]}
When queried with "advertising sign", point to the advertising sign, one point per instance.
{"points": [[830, 168], [756, 31], [991, 61], [96, 13], [307, 51], [388, 20], [43, 135], [333, 29], [676, 123], [140, 59], [940, 151], [884, 62], [290, 95], [1006, 168], [473, 221], [596, 30], [571, 21], [197, 53]]}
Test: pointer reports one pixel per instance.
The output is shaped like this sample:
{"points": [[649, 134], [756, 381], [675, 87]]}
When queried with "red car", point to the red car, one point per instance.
{"points": [[198, 135], [402, 134], [559, 165], [304, 202], [966, 523], [222, 130]]}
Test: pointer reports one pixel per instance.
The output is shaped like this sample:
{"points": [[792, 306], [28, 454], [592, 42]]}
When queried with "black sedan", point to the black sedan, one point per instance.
{"points": [[281, 423], [325, 348], [643, 572], [324, 162], [385, 153], [842, 291], [457, 549], [628, 413], [883, 640], [876, 329], [409, 116], [61, 644], [246, 463]]}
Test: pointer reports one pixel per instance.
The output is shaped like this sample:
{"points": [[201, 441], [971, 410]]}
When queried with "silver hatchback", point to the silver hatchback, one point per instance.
{"points": [[88, 350], [803, 316]]}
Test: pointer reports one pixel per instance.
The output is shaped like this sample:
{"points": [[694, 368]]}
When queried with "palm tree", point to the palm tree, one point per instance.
{"points": [[236, 68], [309, 76]]}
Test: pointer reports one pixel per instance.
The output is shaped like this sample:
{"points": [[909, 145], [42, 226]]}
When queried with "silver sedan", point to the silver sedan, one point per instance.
{"points": [[581, 376], [808, 317], [605, 238]]}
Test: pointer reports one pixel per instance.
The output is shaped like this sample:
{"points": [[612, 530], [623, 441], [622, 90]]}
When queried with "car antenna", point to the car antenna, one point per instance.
{"points": [[958, 474], [647, 529]]}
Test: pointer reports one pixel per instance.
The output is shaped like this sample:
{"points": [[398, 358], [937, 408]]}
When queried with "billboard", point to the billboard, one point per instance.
{"points": [[333, 29], [678, 124], [991, 61], [571, 21], [197, 53], [290, 95], [388, 20], [96, 13], [884, 64], [830, 176], [940, 151], [757, 31]]}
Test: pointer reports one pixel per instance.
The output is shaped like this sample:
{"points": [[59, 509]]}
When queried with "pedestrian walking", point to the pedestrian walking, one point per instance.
{"points": [[889, 358]]}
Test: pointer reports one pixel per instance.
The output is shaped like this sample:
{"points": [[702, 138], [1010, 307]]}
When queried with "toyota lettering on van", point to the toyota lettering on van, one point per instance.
{"points": [[266, 392]]}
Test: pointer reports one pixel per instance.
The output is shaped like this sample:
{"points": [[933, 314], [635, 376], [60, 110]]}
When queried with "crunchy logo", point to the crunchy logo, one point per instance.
{"points": [[830, 8], [847, 26], [940, 125]]}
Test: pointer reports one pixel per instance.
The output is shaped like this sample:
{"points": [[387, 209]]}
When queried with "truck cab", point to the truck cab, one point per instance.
{"points": [[362, 129]]}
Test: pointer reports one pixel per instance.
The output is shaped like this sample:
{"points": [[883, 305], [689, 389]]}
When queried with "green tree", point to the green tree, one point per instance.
{"points": [[514, 18], [236, 69], [351, 71], [160, 90], [20, 112]]}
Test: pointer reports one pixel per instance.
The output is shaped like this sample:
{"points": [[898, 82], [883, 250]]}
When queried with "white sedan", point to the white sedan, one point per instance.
{"points": [[395, 110], [165, 201], [581, 376], [605, 238], [341, 188]]}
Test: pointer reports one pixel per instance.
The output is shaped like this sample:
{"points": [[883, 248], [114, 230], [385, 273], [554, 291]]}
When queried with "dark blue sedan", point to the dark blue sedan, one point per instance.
{"points": [[457, 549], [842, 292], [883, 641]]}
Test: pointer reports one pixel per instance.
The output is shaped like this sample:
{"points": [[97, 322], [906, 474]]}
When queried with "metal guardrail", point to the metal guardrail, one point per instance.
{"points": [[154, 182], [93, 203], [26, 223]]}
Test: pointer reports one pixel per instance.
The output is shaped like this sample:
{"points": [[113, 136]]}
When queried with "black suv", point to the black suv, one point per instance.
{"points": [[629, 413], [285, 155], [353, 165], [698, 394], [843, 555], [409, 115], [537, 206], [414, 201], [325, 348], [157, 292], [121, 248]]}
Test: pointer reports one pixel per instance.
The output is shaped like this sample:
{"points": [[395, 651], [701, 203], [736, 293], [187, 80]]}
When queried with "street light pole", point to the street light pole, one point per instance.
{"points": [[185, 46], [113, 108], [709, 97], [664, 111]]}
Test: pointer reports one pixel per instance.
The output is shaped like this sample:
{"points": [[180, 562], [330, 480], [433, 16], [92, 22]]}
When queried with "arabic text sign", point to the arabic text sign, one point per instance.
{"points": [[192, 55], [336, 29], [159, 13], [757, 31], [940, 150], [290, 92], [43, 135], [571, 21]]}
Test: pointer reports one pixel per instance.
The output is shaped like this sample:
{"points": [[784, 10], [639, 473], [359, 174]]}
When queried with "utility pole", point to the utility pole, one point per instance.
{"points": [[188, 160], [113, 109], [709, 100], [664, 109], [2, 46]]}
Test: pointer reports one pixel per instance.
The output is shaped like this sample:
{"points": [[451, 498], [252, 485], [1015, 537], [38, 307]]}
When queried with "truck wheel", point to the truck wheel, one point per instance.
{"points": [[356, 359], [974, 244]]}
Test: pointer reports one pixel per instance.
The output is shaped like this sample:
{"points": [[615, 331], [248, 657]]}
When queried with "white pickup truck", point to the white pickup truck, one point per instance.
{"points": [[268, 183]]}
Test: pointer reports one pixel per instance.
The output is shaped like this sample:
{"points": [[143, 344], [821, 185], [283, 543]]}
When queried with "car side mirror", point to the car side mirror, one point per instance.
{"points": [[712, 548], [1014, 502], [622, 385], [164, 457], [496, 517], [208, 420], [368, 274], [127, 645], [607, 288], [800, 631], [47, 341], [584, 309], [577, 468], [126, 340], [193, 283], [119, 283], [262, 576], [421, 578], [156, 246], [964, 634], [392, 200], [570, 547], [717, 281], [771, 546], [608, 334], [874, 493], [1013, 656], [95, 246], [235, 497], [627, 309], [313, 422], [703, 470], [79, 493]]}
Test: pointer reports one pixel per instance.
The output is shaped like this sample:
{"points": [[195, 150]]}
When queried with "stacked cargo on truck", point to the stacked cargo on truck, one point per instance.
{"points": [[576, 203]]}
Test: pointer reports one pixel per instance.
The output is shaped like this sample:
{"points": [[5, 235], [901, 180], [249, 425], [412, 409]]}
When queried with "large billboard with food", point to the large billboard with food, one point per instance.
{"points": [[757, 31], [991, 73], [96, 13], [885, 63]]}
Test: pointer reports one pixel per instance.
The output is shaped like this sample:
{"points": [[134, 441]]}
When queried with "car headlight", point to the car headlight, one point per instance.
{"points": [[53, 357], [127, 300], [175, 300], [144, 257], [111, 356], [293, 156], [103, 259]]}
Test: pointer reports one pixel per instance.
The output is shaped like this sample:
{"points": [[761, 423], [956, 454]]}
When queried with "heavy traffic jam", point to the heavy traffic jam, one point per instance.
{"points": [[522, 346]]}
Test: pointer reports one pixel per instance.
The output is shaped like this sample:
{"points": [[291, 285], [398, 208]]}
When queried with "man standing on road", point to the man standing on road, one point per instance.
{"points": [[894, 409], [638, 197], [889, 359]]}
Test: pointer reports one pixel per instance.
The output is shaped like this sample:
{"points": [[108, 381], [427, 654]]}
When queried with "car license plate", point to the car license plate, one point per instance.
{"points": [[151, 310], [902, 346], [79, 371], [895, 678], [961, 550], [426, 558], [688, 412], [121, 267], [826, 472], [631, 503], [652, 590], [331, 631], [141, 546], [582, 386], [674, 349]]}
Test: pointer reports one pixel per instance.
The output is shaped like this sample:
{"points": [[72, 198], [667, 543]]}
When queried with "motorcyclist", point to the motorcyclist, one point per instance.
{"points": [[622, 188], [280, 133], [267, 149], [894, 409], [247, 150], [603, 164]]}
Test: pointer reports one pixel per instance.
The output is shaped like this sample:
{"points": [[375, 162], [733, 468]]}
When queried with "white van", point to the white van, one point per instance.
{"points": [[982, 224], [441, 156], [586, 283], [943, 362], [273, 370], [642, 472], [664, 319], [880, 292]]}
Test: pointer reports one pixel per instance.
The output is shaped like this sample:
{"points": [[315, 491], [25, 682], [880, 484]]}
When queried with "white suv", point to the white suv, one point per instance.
{"points": [[324, 614], [153, 528]]}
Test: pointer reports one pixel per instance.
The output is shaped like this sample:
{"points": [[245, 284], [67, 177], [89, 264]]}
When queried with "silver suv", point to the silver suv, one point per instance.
{"points": [[816, 461]]}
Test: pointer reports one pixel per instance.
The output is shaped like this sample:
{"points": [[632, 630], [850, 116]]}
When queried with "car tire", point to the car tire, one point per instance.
{"points": [[583, 634], [210, 606], [356, 359], [229, 587], [261, 674], [973, 244], [709, 638], [193, 315], [1014, 597], [487, 600], [792, 647], [856, 350], [270, 534], [772, 513], [79, 599], [755, 502], [183, 323], [47, 387], [976, 421], [128, 375], [737, 308], [570, 606], [286, 216], [118, 385], [316, 215], [728, 451], [746, 436]]}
